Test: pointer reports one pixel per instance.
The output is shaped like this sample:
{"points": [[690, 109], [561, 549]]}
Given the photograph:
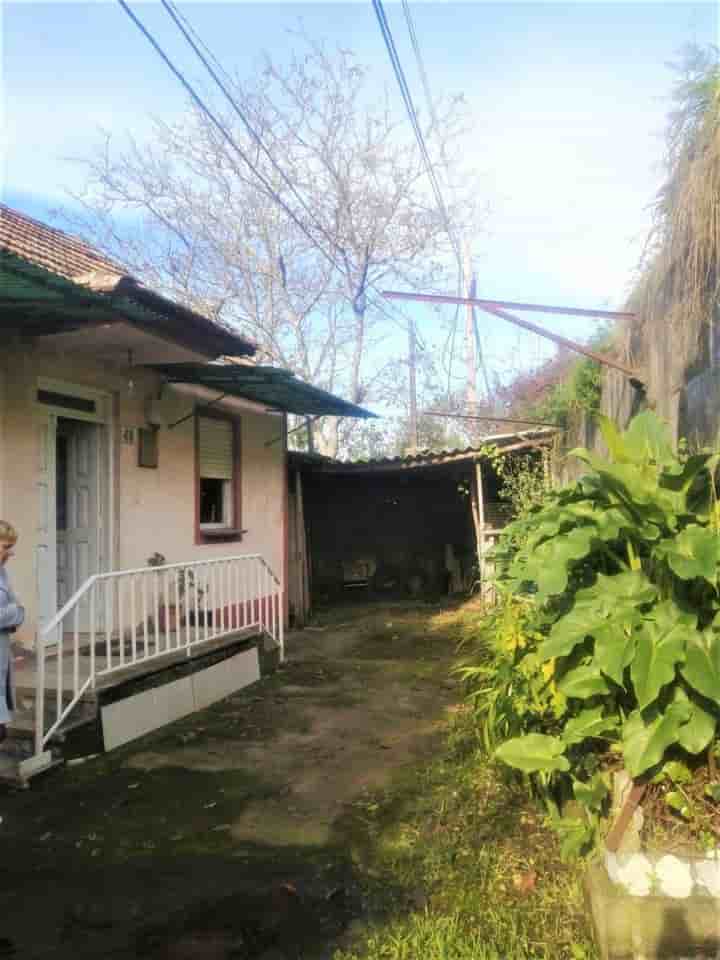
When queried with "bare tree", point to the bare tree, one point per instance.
{"points": [[204, 229]]}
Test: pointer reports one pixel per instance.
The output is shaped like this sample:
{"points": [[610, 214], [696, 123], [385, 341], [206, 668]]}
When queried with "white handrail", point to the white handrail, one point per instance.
{"points": [[129, 617]]}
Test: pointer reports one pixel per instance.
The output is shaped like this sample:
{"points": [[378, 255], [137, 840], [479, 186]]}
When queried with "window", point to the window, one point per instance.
{"points": [[218, 480]]}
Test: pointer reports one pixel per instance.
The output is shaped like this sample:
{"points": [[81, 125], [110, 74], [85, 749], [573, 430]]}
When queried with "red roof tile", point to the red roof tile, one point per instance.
{"points": [[50, 248]]}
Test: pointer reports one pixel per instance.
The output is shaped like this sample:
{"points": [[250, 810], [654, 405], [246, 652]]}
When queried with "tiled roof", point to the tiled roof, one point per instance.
{"points": [[39, 250], [50, 248]]}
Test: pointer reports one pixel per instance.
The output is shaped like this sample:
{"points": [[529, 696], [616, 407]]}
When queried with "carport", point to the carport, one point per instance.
{"points": [[419, 525]]}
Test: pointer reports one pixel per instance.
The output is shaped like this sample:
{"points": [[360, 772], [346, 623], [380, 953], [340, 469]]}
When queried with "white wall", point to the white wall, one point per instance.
{"points": [[155, 508]]}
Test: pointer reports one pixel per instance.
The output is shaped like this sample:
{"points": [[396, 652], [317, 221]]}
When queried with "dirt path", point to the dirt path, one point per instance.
{"points": [[225, 835]]}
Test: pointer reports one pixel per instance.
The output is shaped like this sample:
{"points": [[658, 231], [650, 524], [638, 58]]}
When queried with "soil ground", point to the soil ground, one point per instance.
{"points": [[227, 834]]}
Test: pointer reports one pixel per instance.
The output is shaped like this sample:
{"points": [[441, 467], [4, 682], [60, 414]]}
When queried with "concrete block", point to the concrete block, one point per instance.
{"points": [[134, 716], [179, 700], [36, 764], [651, 927], [222, 679]]}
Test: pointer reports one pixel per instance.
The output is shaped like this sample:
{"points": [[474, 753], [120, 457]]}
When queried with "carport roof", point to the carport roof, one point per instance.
{"points": [[503, 442]]}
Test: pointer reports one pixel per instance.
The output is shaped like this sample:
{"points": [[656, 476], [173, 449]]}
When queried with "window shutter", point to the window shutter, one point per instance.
{"points": [[215, 439]]}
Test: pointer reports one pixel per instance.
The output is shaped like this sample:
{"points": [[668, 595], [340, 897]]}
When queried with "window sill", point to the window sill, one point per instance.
{"points": [[219, 533]]}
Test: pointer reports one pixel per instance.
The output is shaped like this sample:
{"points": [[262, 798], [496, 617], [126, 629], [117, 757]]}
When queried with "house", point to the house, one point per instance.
{"points": [[420, 524], [143, 462]]}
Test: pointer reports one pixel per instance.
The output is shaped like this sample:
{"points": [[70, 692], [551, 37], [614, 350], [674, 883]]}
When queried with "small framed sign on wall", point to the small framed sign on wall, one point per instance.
{"points": [[148, 447]]}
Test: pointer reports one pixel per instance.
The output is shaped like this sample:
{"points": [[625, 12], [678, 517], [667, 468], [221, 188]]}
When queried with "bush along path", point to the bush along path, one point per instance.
{"points": [[607, 644]]}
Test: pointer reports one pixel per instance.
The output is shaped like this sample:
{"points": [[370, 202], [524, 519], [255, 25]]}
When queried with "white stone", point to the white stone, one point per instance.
{"points": [[707, 874], [612, 866], [635, 874], [674, 877]]}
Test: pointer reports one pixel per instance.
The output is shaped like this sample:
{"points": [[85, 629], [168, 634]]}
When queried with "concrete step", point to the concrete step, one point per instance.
{"points": [[18, 764], [23, 723]]}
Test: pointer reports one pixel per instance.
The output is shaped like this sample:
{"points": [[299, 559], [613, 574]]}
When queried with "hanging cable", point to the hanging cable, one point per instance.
{"points": [[415, 123], [207, 58]]}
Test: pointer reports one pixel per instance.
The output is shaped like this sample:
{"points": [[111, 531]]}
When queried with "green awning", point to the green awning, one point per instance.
{"points": [[270, 386]]}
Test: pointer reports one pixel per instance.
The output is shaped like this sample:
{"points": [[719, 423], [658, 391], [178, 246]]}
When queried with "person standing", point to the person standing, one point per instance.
{"points": [[11, 617]]}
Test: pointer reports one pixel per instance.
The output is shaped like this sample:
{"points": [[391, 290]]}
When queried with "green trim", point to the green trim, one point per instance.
{"points": [[270, 386]]}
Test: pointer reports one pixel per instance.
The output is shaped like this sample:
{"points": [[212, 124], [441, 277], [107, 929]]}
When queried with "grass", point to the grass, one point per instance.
{"points": [[425, 868], [458, 844]]}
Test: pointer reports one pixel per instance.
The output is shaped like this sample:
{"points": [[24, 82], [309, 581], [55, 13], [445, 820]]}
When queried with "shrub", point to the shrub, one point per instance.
{"points": [[607, 640]]}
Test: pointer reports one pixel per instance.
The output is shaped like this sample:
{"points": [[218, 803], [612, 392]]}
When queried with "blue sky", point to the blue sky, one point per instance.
{"points": [[568, 103]]}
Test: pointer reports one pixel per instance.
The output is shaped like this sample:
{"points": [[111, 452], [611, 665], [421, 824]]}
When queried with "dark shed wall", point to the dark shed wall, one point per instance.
{"points": [[390, 527]]}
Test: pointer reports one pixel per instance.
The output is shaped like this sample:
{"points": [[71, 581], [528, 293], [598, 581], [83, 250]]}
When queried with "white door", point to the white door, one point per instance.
{"points": [[45, 560], [77, 514]]}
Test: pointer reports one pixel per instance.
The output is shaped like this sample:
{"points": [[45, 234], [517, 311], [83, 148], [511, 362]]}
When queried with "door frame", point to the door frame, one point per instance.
{"points": [[48, 414]]}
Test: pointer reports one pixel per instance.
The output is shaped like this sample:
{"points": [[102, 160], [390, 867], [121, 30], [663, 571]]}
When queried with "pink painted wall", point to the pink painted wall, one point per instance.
{"points": [[154, 508]]}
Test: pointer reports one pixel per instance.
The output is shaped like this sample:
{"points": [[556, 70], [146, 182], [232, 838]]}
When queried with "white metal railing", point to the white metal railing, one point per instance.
{"points": [[116, 620]]}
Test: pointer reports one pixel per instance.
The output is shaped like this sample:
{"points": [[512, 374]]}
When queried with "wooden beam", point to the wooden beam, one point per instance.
{"points": [[489, 419], [476, 526], [525, 324], [512, 305], [302, 547]]}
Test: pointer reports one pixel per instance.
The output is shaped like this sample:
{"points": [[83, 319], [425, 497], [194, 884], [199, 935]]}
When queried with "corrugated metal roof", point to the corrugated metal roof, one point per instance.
{"points": [[425, 458], [271, 386]]}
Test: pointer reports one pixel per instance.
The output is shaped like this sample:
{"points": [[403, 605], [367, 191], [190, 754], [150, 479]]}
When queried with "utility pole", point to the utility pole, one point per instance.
{"points": [[412, 365], [470, 351], [475, 359]]}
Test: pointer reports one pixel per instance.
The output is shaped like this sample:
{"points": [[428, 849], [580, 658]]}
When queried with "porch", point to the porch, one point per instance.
{"points": [[121, 627]]}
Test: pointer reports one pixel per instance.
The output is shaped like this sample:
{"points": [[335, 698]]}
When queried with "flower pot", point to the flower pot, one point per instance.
{"points": [[653, 907], [202, 618], [168, 618]]}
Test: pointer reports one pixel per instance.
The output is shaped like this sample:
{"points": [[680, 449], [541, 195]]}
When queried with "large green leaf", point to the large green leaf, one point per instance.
{"points": [[636, 488], [550, 562], [534, 753], [694, 552], [591, 793], [611, 600], [679, 476], [660, 646], [702, 664], [615, 644], [589, 723], [609, 523], [571, 629], [695, 735], [632, 586], [583, 682], [646, 738], [612, 437], [574, 834], [648, 438]]}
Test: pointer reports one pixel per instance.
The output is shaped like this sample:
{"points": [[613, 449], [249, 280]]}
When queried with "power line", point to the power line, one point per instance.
{"points": [[211, 116], [415, 123], [195, 40], [420, 63], [435, 125], [271, 192], [177, 17]]}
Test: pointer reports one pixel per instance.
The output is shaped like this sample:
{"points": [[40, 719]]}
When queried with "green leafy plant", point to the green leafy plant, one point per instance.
{"points": [[617, 577], [523, 478]]}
